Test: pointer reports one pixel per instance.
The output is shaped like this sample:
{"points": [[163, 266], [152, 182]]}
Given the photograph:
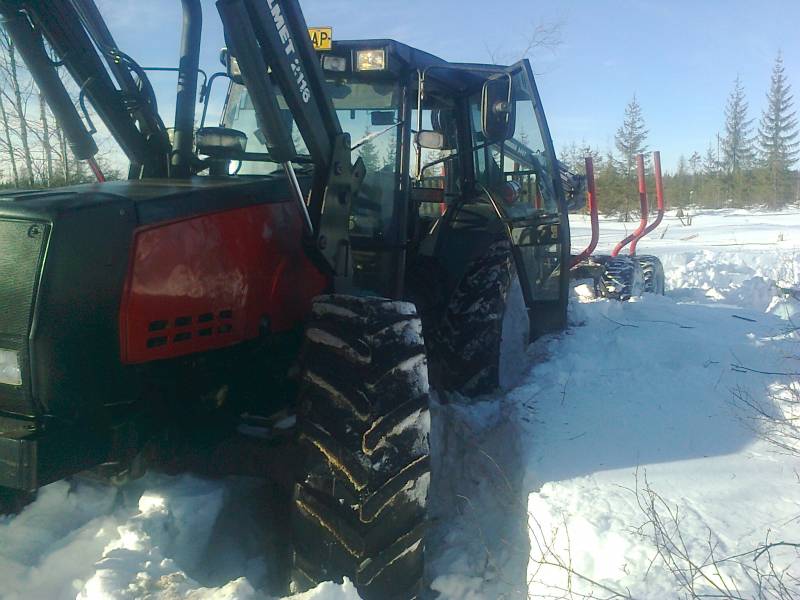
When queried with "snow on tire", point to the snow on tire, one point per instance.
{"points": [[480, 344], [359, 511], [652, 273], [622, 278]]}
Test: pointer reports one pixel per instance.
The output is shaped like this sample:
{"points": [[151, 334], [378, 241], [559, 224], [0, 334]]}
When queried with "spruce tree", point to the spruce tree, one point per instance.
{"points": [[777, 136], [695, 163], [737, 145], [630, 141], [710, 193], [574, 156], [630, 137], [681, 182], [369, 154]]}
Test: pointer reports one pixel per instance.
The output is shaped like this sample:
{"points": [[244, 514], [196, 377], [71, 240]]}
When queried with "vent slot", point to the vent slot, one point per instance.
{"points": [[204, 322], [155, 342], [157, 325]]}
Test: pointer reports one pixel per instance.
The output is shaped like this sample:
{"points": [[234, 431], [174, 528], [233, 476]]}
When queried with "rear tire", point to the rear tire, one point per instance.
{"points": [[653, 274], [359, 509], [622, 278], [480, 344]]}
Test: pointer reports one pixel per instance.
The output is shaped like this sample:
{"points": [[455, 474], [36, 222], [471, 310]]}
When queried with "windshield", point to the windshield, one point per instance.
{"points": [[369, 112]]}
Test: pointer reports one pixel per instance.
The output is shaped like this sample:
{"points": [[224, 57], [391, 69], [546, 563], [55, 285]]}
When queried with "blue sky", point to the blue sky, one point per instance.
{"points": [[679, 57]]}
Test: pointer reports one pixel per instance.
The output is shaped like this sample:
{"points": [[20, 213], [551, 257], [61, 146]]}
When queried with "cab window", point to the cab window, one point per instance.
{"points": [[522, 159]]}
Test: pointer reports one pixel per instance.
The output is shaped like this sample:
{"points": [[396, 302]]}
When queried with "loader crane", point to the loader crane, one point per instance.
{"points": [[362, 217]]}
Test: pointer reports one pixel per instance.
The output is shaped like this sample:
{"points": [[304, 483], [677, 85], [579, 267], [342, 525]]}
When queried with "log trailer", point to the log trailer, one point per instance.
{"points": [[617, 276], [293, 260]]}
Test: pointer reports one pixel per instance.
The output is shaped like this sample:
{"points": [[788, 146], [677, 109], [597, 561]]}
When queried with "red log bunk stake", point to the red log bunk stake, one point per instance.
{"points": [[592, 200], [659, 200], [643, 203]]}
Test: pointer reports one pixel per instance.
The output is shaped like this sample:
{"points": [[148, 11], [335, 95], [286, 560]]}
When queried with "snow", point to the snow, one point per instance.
{"points": [[640, 398], [538, 490], [548, 490]]}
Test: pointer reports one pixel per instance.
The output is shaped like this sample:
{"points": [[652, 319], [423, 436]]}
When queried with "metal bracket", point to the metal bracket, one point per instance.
{"points": [[344, 182]]}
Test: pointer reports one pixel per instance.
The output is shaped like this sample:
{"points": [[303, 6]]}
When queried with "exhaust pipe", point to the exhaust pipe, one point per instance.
{"points": [[183, 140]]}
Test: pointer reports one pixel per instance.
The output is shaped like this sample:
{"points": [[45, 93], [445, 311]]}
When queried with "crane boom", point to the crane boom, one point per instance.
{"points": [[271, 35]]}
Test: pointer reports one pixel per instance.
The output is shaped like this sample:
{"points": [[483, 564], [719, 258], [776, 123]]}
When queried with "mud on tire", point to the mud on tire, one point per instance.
{"points": [[467, 350], [359, 510], [622, 278], [652, 273]]}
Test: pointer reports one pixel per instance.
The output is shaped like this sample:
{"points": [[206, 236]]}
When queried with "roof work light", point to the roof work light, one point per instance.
{"points": [[371, 60]]}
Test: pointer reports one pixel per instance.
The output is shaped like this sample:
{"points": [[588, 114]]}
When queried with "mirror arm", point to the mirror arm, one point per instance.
{"points": [[206, 94]]}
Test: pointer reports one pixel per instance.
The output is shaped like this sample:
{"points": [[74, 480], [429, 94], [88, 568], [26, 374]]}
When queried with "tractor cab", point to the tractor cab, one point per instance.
{"points": [[476, 161]]}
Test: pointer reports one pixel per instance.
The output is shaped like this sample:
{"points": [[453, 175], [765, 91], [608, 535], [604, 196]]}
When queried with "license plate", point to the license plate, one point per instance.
{"points": [[321, 37]]}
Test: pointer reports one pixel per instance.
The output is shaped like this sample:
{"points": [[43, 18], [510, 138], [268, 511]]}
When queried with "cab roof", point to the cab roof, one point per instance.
{"points": [[460, 76]]}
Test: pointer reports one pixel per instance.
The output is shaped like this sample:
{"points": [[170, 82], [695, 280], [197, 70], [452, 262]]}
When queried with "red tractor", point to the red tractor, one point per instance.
{"points": [[363, 218]]}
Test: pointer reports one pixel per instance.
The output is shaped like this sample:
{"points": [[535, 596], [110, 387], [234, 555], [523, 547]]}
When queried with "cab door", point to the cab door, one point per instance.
{"points": [[521, 177]]}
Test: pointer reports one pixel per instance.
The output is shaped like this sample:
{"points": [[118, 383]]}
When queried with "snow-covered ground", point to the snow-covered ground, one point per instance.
{"points": [[628, 419]]}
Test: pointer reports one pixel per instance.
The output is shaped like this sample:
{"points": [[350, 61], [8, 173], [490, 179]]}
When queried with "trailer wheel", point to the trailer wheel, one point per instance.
{"points": [[480, 344], [652, 273], [622, 278], [359, 508]]}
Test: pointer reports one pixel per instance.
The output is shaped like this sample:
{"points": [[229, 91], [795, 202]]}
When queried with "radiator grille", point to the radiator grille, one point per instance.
{"points": [[21, 245]]}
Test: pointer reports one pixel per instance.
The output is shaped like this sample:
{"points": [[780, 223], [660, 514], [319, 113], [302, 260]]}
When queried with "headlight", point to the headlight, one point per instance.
{"points": [[370, 60], [334, 63], [10, 373]]}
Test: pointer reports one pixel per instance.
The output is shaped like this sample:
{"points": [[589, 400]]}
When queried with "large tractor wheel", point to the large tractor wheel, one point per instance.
{"points": [[483, 335], [652, 273], [622, 278], [359, 511]]}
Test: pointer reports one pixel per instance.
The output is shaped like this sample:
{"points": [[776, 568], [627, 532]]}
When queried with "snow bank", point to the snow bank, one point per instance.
{"points": [[640, 445]]}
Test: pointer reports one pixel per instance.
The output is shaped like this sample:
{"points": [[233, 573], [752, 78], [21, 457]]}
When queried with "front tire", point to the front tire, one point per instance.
{"points": [[481, 342], [359, 510]]}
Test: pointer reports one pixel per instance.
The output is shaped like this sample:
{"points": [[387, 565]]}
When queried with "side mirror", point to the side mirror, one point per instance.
{"points": [[497, 109], [432, 140], [231, 65]]}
